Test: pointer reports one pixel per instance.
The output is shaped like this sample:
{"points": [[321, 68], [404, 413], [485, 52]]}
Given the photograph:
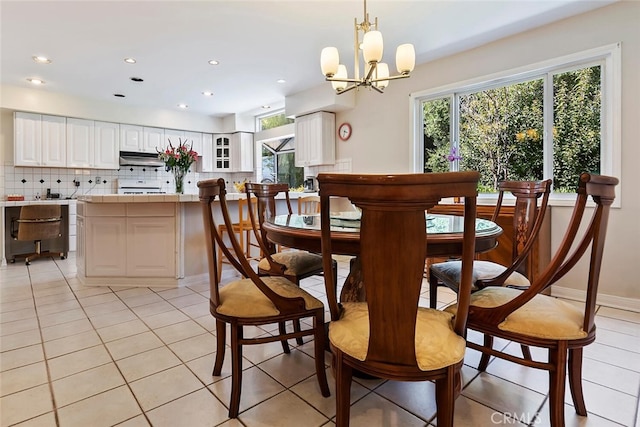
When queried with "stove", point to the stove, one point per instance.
{"points": [[140, 186]]}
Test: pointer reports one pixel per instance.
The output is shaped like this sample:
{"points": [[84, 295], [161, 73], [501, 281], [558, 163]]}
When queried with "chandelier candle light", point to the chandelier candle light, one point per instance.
{"points": [[376, 76], [178, 160]]}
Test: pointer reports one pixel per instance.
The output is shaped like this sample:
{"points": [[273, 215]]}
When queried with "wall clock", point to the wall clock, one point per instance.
{"points": [[344, 131]]}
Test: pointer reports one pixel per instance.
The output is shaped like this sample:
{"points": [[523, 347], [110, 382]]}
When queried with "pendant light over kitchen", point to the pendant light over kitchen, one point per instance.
{"points": [[376, 73]]}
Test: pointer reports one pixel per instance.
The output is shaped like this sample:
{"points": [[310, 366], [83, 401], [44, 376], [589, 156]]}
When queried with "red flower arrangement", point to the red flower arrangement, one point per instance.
{"points": [[180, 157]]}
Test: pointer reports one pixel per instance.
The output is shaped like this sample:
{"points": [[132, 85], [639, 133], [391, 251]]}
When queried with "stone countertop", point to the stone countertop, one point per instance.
{"points": [[162, 198]]}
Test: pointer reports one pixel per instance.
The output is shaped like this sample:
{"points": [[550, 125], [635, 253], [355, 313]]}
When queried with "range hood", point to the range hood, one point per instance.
{"points": [[133, 158]]}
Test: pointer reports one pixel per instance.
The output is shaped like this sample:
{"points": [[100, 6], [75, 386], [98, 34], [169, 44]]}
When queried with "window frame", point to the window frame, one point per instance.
{"points": [[608, 57], [262, 136]]}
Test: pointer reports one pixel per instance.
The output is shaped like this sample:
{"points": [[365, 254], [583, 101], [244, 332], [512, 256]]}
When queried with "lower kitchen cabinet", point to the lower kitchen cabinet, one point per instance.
{"points": [[106, 246], [144, 234], [126, 241]]}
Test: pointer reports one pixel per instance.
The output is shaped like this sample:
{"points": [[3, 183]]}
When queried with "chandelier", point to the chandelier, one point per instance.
{"points": [[376, 73]]}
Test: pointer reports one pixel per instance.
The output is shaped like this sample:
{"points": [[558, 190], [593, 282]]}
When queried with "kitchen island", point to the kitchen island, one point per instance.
{"points": [[144, 240]]}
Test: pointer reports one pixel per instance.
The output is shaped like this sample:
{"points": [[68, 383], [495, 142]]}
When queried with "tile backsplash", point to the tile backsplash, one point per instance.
{"points": [[31, 182]]}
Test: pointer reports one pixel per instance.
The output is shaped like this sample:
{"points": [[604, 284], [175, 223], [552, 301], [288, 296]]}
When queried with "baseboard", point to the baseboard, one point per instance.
{"points": [[161, 282], [621, 303]]}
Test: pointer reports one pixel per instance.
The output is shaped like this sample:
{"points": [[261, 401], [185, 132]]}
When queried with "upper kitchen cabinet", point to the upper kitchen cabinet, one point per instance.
{"points": [[233, 152], [107, 145], [242, 153], [154, 140], [131, 138], [39, 140], [141, 139], [316, 139], [92, 144], [222, 153], [195, 140], [173, 135], [207, 158]]}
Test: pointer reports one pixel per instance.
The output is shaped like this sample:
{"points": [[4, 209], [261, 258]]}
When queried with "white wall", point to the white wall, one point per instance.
{"points": [[381, 129]]}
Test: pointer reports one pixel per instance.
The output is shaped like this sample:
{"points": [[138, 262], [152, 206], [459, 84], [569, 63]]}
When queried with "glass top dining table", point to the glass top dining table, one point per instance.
{"points": [[444, 233]]}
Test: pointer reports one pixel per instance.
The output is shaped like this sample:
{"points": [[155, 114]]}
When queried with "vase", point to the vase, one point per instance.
{"points": [[178, 176]]}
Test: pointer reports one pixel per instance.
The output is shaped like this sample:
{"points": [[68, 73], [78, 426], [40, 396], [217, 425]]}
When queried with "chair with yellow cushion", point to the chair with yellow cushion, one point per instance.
{"points": [[530, 206], [529, 317], [293, 264], [252, 301], [389, 335]]}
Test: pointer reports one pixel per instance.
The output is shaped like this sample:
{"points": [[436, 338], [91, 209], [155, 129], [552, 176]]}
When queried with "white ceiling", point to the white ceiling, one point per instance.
{"points": [[256, 42]]}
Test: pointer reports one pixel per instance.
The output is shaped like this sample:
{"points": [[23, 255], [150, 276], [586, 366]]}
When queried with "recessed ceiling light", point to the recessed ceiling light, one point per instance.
{"points": [[206, 93], [118, 95], [41, 59], [136, 79], [129, 60], [281, 81], [183, 106], [213, 62], [36, 81]]}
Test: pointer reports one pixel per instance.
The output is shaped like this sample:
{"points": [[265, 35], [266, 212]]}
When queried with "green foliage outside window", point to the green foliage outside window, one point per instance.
{"points": [[274, 121], [501, 131]]}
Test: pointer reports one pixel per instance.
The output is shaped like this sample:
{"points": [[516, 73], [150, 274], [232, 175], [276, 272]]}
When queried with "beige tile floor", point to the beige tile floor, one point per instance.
{"points": [[101, 356]]}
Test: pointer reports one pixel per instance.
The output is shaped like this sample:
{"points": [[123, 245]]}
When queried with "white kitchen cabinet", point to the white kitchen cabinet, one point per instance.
{"points": [[242, 153], [316, 139], [141, 139], [54, 141], [39, 140], [126, 240], [207, 159], [233, 152], [144, 233], [194, 139], [173, 135], [92, 144], [222, 152], [105, 243], [131, 138], [80, 140], [154, 140], [106, 153], [80, 248]]}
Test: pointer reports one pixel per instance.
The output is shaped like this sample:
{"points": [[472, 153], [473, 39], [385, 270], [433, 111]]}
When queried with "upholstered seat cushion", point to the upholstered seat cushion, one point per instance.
{"points": [[542, 317], [297, 263], [437, 345], [242, 298], [450, 271]]}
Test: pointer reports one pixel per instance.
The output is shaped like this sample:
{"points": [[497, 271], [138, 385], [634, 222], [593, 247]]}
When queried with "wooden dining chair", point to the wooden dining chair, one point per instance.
{"points": [[293, 264], [252, 301], [528, 217], [242, 228], [532, 318], [389, 335], [308, 205]]}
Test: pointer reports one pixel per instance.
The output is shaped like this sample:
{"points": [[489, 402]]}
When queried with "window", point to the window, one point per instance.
{"points": [[554, 120], [272, 121], [277, 151]]}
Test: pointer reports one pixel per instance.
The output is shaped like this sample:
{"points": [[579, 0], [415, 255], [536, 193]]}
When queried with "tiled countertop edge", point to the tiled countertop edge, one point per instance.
{"points": [[162, 198], [37, 202]]}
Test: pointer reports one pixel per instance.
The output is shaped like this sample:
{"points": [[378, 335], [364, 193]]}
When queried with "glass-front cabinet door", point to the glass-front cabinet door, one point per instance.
{"points": [[222, 153]]}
